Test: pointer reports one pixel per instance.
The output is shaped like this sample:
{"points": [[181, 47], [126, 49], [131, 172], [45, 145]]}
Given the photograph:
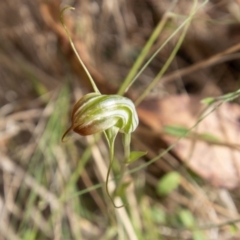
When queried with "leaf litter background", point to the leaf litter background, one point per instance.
{"points": [[41, 79]]}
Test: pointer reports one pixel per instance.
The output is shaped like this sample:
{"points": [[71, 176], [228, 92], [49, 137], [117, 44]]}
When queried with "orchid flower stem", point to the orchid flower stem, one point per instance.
{"points": [[111, 148], [126, 143]]}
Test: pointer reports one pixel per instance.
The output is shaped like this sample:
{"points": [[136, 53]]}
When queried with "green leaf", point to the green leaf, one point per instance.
{"points": [[209, 137], [29, 234], [168, 183], [233, 229], [197, 235], [178, 131], [121, 191], [208, 100], [186, 218], [134, 156], [158, 215]]}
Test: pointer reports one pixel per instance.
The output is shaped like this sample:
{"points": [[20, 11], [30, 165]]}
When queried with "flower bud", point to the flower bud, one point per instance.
{"points": [[95, 113]]}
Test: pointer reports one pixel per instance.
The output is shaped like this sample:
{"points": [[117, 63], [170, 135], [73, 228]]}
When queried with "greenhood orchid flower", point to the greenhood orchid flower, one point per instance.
{"points": [[95, 113]]}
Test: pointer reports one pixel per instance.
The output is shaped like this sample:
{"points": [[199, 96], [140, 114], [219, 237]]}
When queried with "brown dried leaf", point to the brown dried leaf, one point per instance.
{"points": [[219, 163]]}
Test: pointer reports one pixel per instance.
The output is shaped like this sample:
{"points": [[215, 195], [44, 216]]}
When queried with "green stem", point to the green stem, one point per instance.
{"points": [[129, 80], [75, 51], [158, 50], [126, 145], [126, 142], [111, 149], [186, 23]]}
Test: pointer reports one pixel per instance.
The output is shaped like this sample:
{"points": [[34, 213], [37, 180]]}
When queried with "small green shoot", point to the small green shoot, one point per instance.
{"points": [[177, 131], [186, 218], [159, 215], [198, 235], [209, 138], [134, 156], [224, 98], [168, 183]]}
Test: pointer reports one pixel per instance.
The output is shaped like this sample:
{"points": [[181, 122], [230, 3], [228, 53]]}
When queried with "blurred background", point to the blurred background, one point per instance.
{"points": [[185, 189]]}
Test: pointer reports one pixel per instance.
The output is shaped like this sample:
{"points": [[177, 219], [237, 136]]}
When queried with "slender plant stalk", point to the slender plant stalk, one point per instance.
{"points": [[111, 148], [166, 42], [130, 79], [171, 57], [137, 64], [165, 66], [95, 88], [126, 143]]}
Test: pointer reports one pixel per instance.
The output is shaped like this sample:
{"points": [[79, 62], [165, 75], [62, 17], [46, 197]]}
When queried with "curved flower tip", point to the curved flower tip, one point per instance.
{"points": [[67, 131]]}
